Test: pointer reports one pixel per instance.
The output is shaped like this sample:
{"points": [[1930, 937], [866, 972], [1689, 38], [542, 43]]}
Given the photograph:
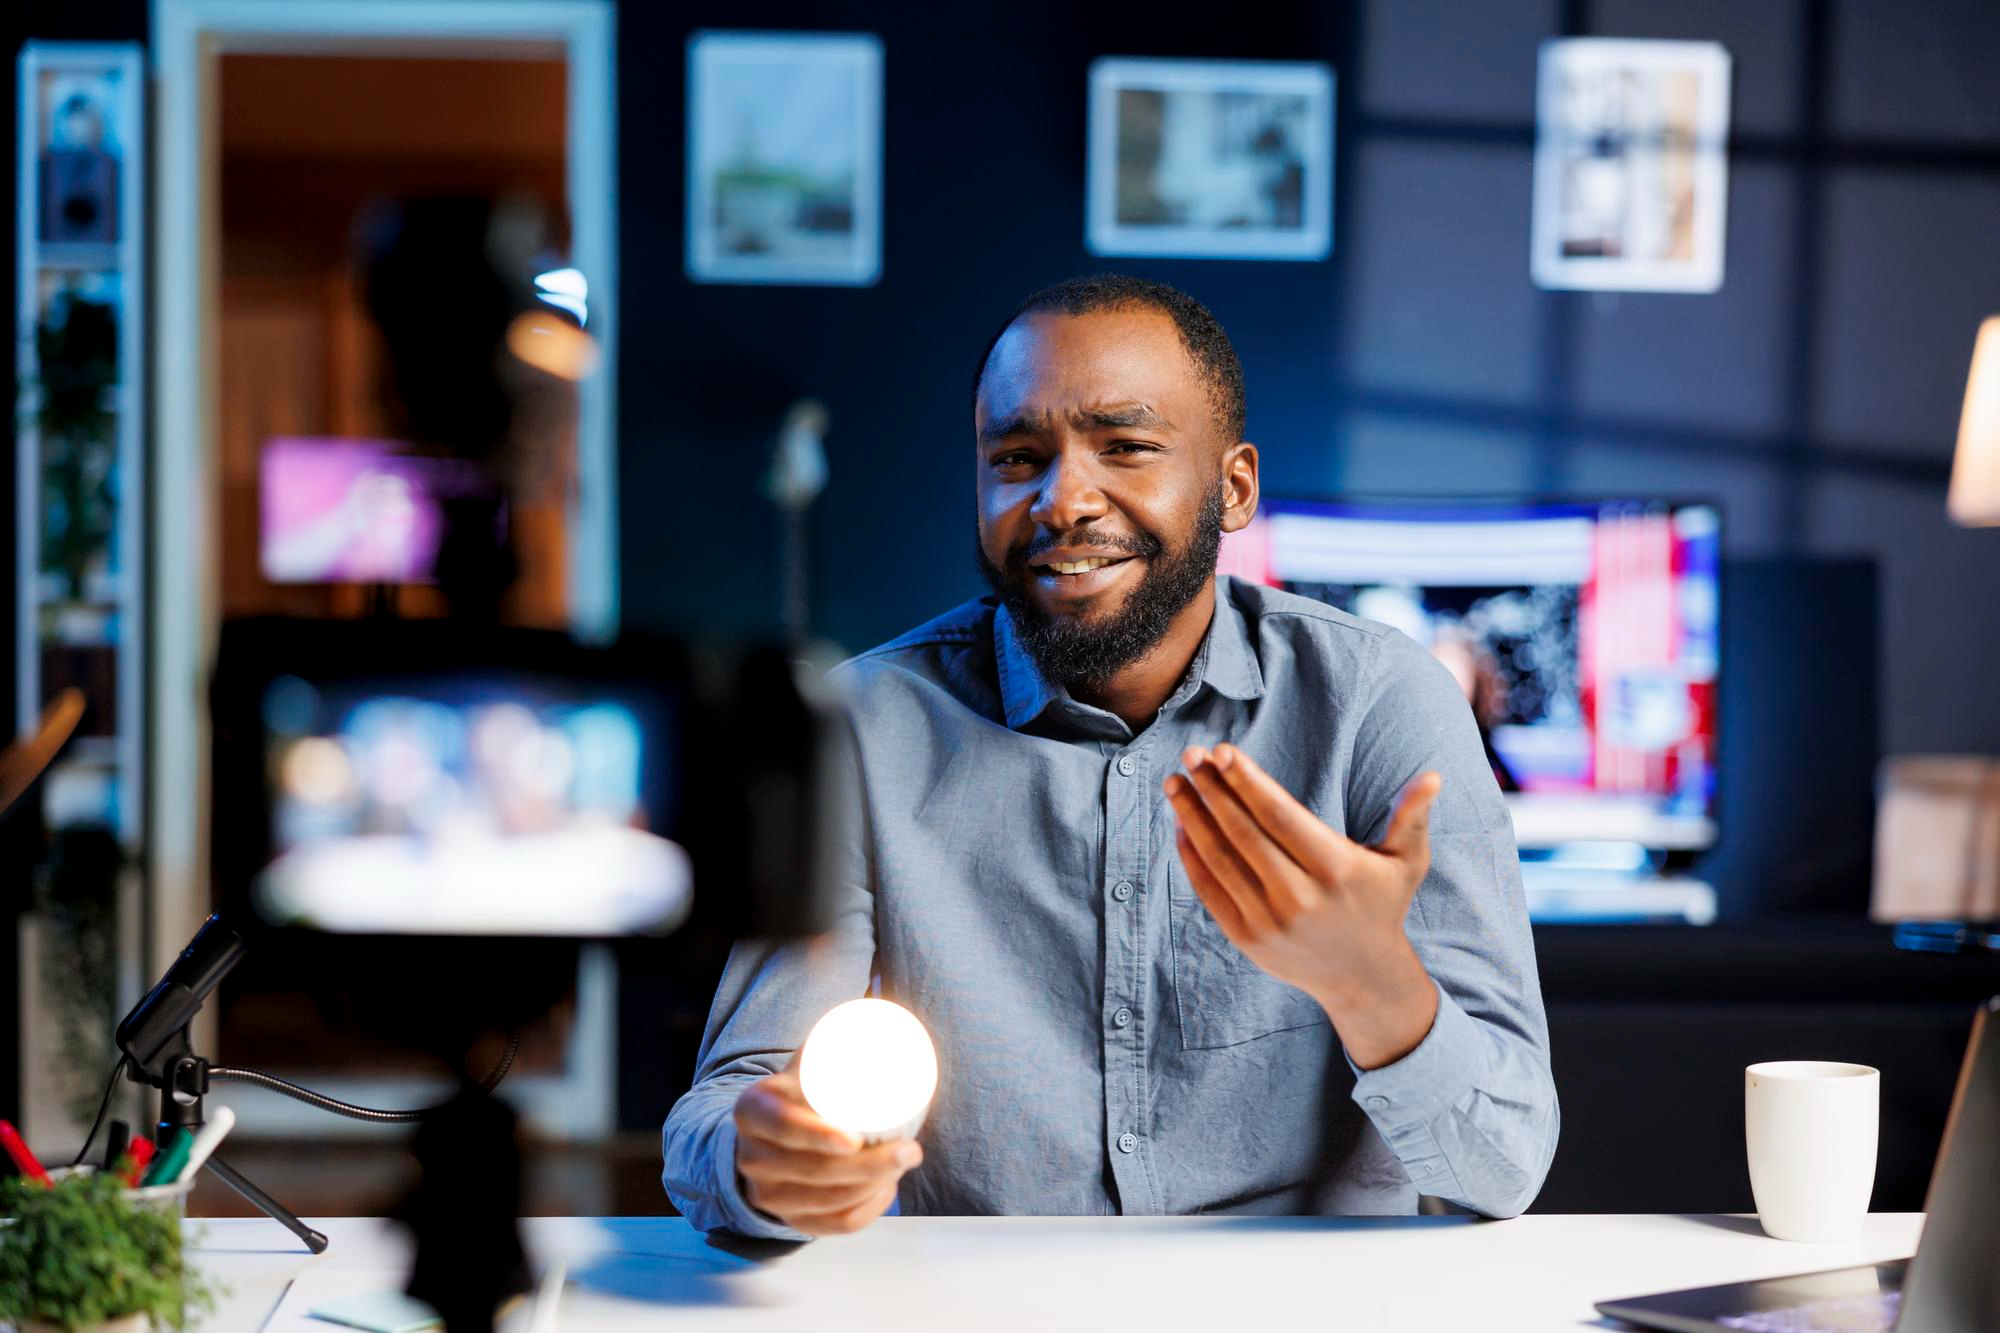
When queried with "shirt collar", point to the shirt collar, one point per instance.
{"points": [[1225, 663], [1228, 660], [1024, 692]]}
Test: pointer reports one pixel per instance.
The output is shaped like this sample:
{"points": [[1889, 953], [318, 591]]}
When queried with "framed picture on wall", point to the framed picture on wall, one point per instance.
{"points": [[1631, 165], [1210, 159], [784, 175]]}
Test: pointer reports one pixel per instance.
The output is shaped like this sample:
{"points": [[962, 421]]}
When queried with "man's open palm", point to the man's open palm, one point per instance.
{"points": [[1308, 905]]}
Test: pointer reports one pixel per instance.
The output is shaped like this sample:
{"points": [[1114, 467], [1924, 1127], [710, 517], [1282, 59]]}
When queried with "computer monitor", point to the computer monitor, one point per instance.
{"points": [[1585, 636], [451, 804], [356, 511]]}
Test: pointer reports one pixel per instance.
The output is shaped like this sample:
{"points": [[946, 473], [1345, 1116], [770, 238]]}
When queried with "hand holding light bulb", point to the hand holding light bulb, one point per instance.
{"points": [[822, 1145]]}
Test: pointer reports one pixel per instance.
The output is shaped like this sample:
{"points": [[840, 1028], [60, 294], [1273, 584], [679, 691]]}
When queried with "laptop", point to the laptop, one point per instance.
{"points": [[1951, 1285]]}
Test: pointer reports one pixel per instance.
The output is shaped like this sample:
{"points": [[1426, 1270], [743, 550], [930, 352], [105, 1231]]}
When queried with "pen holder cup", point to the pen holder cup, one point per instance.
{"points": [[158, 1198]]}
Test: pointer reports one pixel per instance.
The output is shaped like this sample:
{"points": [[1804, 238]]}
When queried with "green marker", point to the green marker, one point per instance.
{"points": [[166, 1168]]}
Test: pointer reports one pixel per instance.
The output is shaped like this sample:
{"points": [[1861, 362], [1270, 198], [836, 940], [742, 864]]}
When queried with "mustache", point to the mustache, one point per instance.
{"points": [[1141, 544]]}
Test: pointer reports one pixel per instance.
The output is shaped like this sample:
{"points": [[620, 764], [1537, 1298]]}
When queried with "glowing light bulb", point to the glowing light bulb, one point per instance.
{"points": [[869, 1067]]}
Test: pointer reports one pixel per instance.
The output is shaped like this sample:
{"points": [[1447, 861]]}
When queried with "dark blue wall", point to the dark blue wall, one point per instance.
{"points": [[1817, 394]]}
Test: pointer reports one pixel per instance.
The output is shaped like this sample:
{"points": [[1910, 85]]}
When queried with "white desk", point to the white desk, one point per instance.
{"points": [[1048, 1274]]}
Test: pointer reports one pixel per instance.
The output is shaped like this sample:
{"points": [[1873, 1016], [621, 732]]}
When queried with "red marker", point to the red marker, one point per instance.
{"points": [[17, 1148], [133, 1165]]}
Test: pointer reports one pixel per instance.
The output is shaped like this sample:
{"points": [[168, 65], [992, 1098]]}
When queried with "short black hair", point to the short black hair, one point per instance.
{"points": [[1201, 333]]}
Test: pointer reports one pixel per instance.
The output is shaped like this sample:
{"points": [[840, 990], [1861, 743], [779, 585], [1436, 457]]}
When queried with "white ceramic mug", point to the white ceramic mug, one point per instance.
{"points": [[1809, 1127]]}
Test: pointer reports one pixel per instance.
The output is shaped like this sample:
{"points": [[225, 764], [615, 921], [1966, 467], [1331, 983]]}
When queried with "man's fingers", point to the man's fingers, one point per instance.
{"points": [[1409, 835], [1274, 872], [849, 1219], [763, 1160], [809, 1188], [1224, 865], [791, 1198], [1213, 896], [1304, 837], [771, 1109]]}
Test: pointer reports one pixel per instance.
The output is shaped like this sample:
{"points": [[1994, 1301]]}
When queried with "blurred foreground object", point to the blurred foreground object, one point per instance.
{"points": [[420, 817], [1937, 839], [1975, 474], [434, 780], [28, 756]]}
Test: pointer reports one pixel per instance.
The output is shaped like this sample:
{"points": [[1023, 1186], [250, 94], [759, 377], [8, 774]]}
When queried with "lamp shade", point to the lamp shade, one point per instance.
{"points": [[1975, 474]]}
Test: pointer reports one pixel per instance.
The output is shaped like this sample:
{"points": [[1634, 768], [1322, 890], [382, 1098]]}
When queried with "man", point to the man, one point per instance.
{"points": [[1205, 891]]}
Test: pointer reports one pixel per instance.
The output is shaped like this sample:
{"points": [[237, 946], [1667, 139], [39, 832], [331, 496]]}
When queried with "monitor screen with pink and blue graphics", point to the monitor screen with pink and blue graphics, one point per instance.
{"points": [[356, 511], [1584, 634]]}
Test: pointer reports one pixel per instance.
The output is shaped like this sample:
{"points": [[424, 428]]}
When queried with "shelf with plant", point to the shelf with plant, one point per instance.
{"points": [[76, 354]]}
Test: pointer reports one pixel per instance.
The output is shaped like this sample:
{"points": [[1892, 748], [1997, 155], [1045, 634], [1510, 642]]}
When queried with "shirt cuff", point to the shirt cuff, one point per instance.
{"points": [[1402, 1099], [739, 1215]]}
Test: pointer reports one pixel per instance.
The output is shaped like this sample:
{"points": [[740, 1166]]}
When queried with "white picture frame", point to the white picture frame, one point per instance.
{"points": [[1631, 165], [1181, 159], [784, 158]]}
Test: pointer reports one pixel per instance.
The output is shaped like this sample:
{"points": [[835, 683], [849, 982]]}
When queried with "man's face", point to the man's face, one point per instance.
{"points": [[1103, 485]]}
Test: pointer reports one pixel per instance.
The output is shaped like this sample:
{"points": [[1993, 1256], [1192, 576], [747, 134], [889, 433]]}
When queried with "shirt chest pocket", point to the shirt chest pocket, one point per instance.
{"points": [[1223, 998]]}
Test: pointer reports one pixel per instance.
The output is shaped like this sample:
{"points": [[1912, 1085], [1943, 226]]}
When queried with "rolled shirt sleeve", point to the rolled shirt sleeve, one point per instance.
{"points": [[752, 1032], [1471, 1112], [700, 1173]]}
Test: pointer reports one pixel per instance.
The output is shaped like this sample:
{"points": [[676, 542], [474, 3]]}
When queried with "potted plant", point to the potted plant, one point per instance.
{"points": [[85, 1253], [76, 351]]}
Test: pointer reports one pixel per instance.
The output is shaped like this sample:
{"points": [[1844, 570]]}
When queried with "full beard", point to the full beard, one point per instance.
{"points": [[1085, 652]]}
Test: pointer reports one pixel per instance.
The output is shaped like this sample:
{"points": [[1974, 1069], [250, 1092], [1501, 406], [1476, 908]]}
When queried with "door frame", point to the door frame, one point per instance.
{"points": [[188, 37]]}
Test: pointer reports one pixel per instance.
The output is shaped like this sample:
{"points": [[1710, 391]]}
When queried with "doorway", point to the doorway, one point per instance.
{"points": [[277, 120]]}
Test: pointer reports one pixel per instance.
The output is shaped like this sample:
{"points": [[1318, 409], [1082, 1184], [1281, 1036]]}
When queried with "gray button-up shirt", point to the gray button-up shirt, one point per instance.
{"points": [[1102, 1048]]}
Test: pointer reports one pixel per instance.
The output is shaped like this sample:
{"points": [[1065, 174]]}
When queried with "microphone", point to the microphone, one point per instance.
{"points": [[163, 1015]]}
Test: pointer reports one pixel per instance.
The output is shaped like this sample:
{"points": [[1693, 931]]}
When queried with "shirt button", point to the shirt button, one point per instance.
{"points": [[1378, 1103], [1125, 765], [1122, 890], [1128, 1142], [1121, 1018]]}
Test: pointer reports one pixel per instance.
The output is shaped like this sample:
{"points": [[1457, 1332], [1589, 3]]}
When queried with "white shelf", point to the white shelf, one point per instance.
{"points": [[81, 257], [108, 80], [97, 779]]}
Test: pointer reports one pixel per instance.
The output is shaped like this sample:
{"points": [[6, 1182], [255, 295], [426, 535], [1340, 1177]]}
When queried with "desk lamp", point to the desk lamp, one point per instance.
{"points": [[1974, 502], [1975, 474]]}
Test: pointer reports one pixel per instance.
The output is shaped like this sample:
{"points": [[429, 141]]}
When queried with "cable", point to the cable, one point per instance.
{"points": [[102, 1107], [257, 1078], [492, 1080]]}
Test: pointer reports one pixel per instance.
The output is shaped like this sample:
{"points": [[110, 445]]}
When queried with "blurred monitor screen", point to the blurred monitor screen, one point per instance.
{"points": [[354, 511], [1584, 635], [470, 804]]}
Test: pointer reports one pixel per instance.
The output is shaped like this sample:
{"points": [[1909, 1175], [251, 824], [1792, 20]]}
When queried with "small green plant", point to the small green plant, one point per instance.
{"points": [[83, 1252]]}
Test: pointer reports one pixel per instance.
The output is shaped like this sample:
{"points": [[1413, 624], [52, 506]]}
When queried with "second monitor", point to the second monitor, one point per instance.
{"points": [[1585, 635]]}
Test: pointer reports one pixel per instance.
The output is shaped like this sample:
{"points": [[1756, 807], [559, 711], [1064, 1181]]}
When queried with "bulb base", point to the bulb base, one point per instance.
{"points": [[907, 1130]]}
